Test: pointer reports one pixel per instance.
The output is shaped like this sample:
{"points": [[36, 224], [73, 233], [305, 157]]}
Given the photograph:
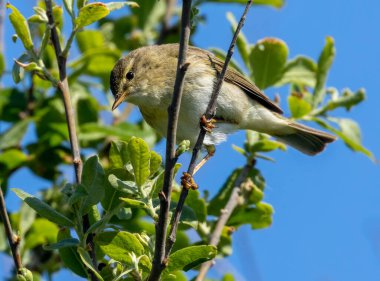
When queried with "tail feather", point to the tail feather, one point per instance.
{"points": [[305, 139]]}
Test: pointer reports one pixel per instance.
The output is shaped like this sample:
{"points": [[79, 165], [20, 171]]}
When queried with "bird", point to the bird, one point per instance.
{"points": [[146, 76]]}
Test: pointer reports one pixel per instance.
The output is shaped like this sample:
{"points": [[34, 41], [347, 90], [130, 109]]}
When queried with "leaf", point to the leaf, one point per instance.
{"points": [[69, 6], [93, 181], [118, 245], [13, 136], [12, 159], [17, 72], [349, 132], [197, 204], [139, 154], [298, 106], [155, 162], [188, 258], [267, 60], [301, 71], [43, 209], [325, 61], [41, 232], [118, 154], [241, 42], [89, 39], [133, 203], [91, 13], [86, 259], [2, 64], [258, 217], [64, 243], [346, 100], [21, 27], [69, 255]]}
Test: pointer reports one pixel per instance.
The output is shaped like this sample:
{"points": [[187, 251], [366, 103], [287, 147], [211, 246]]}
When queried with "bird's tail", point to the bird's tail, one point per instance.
{"points": [[305, 139]]}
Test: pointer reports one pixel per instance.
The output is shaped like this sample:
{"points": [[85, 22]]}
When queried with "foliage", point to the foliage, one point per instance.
{"points": [[122, 175]]}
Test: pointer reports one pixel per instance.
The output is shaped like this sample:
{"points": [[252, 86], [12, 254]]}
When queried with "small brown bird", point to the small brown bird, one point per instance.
{"points": [[145, 77]]}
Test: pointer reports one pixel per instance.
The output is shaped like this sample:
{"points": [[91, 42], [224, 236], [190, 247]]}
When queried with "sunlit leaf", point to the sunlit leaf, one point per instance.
{"points": [[301, 71], [21, 26], [91, 13], [139, 154], [13, 136], [298, 106]]}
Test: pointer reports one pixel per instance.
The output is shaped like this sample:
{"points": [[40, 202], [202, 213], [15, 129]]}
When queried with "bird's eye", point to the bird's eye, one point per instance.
{"points": [[130, 75]]}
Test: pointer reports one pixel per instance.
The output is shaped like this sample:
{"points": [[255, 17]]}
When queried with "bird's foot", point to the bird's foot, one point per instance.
{"points": [[188, 182], [207, 124]]}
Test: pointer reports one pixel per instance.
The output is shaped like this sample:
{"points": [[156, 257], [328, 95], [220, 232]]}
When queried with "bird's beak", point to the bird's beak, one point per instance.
{"points": [[118, 100]]}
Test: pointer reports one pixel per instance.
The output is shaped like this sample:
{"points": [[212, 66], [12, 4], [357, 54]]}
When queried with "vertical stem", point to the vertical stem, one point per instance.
{"points": [[210, 112], [13, 240], [63, 86], [159, 262]]}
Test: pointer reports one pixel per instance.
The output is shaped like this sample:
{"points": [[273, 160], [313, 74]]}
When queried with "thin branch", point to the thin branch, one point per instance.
{"points": [[63, 86], [225, 214], [159, 263], [14, 240], [210, 112]]}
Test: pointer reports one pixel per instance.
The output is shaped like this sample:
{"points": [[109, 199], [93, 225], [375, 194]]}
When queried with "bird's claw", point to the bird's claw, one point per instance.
{"points": [[188, 182], [207, 124]]}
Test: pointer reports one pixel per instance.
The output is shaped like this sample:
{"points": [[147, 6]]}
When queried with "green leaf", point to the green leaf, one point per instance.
{"points": [[21, 27], [17, 72], [301, 71], [268, 59], [259, 216], [12, 102], [64, 243], [2, 64], [325, 61], [93, 181], [118, 154], [69, 255], [86, 259], [43, 209], [155, 162], [69, 6], [139, 154], [91, 13], [41, 232], [198, 205], [133, 203], [118, 245], [27, 218], [298, 106], [346, 100], [190, 257], [89, 39], [349, 132], [13, 136], [12, 159], [241, 42]]}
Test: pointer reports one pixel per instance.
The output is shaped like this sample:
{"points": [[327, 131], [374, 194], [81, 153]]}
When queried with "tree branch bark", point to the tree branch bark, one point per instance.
{"points": [[225, 214], [14, 240], [159, 262], [63, 86], [210, 112]]}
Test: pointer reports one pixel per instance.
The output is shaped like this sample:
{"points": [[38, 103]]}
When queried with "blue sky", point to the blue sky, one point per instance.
{"points": [[327, 221]]}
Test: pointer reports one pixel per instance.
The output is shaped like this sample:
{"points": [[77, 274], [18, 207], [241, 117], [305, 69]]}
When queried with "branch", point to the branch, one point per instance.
{"points": [[14, 240], [159, 263], [63, 86], [225, 214], [210, 112]]}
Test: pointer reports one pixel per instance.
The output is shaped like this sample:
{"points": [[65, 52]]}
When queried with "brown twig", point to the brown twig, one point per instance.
{"points": [[210, 112], [225, 214], [14, 241], [171, 158], [63, 86]]}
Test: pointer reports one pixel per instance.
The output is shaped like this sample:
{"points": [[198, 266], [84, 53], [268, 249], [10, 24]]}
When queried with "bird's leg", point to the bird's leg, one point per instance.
{"points": [[207, 124], [210, 153]]}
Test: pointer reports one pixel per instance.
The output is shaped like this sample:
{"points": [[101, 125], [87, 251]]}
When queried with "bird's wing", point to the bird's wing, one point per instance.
{"points": [[236, 78]]}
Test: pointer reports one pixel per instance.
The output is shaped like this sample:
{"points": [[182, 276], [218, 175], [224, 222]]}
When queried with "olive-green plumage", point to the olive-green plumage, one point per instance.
{"points": [[145, 77]]}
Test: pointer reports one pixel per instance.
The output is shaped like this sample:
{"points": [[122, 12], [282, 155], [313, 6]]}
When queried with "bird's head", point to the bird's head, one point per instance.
{"points": [[144, 75]]}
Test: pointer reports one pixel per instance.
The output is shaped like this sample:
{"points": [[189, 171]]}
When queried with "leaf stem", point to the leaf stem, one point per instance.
{"points": [[210, 112], [159, 263]]}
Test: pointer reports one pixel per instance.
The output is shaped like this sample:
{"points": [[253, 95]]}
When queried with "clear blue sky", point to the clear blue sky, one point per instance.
{"points": [[327, 220]]}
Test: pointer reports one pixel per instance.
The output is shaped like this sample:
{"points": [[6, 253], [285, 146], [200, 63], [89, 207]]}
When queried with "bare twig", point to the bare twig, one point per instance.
{"points": [[63, 86], [173, 112], [13, 239], [210, 112], [225, 214]]}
